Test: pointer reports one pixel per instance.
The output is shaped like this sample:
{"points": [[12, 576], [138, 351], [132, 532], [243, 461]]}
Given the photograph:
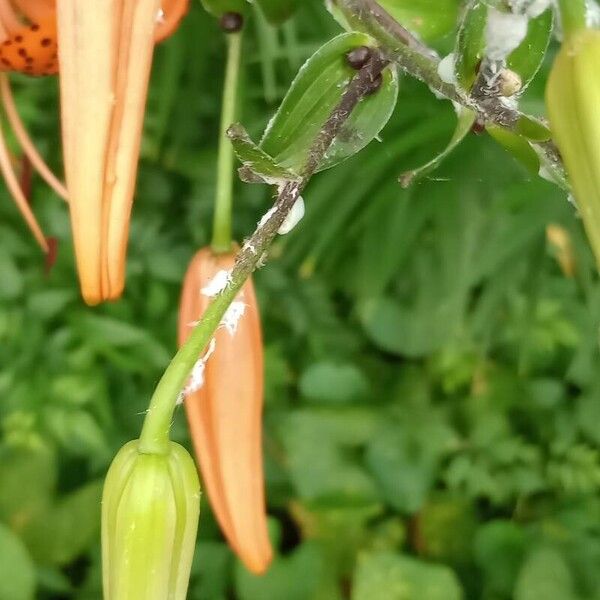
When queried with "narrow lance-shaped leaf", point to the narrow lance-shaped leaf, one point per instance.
{"points": [[258, 166], [277, 11], [466, 119], [470, 43], [429, 19], [218, 8], [314, 93], [518, 146], [527, 58]]}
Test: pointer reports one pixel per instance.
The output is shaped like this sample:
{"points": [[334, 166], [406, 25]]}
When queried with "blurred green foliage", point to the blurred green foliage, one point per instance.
{"points": [[432, 391]]}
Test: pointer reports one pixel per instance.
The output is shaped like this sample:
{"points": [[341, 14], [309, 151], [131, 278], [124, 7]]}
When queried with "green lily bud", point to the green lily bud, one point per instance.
{"points": [[573, 100], [150, 509]]}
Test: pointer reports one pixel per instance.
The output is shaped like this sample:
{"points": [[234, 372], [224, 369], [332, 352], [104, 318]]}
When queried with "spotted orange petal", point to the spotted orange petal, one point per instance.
{"points": [[32, 49]]}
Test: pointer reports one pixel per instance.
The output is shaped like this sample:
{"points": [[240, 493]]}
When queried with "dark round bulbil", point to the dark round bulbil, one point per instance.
{"points": [[358, 57], [231, 22]]}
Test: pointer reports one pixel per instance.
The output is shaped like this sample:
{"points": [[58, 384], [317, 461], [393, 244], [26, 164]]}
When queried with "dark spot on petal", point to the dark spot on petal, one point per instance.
{"points": [[18, 38], [35, 27], [46, 42], [22, 52]]}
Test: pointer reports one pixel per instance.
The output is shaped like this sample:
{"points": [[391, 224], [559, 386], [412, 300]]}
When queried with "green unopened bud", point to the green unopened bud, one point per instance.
{"points": [[150, 509], [573, 102]]}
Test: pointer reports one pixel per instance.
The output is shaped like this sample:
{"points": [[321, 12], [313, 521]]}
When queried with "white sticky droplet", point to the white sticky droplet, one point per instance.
{"points": [[294, 217], [446, 68]]}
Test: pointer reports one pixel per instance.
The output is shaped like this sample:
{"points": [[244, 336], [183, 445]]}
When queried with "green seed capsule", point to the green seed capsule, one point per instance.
{"points": [[150, 509]]}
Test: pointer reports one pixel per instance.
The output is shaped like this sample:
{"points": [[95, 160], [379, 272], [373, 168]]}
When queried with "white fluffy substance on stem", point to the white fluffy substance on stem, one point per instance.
{"points": [[196, 380], [231, 318], [294, 217], [217, 284], [504, 32]]}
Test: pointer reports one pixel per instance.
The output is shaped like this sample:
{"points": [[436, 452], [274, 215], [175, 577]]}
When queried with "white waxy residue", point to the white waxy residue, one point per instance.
{"points": [[196, 380], [217, 284], [231, 319], [504, 32]]}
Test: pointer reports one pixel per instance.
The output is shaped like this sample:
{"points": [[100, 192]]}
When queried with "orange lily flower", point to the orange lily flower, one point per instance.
{"points": [[28, 44], [105, 53], [225, 414]]}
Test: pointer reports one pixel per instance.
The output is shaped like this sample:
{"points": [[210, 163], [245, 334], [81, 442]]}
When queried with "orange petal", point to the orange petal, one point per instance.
{"points": [[225, 416], [31, 49], [35, 10], [14, 187], [105, 55], [26, 143], [172, 13]]}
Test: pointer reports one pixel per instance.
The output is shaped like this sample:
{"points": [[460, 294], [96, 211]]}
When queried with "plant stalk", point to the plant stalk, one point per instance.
{"points": [[221, 241], [154, 438]]}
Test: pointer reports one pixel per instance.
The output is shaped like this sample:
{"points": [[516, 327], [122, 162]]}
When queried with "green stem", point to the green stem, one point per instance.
{"points": [[221, 241], [154, 438], [573, 15]]}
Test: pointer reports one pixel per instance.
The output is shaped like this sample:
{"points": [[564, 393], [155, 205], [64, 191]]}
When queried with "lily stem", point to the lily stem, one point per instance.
{"points": [[221, 241], [573, 15], [154, 438]]}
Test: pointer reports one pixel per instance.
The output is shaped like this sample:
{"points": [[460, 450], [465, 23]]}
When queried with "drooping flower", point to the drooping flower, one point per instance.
{"points": [[105, 55], [224, 408], [29, 45]]}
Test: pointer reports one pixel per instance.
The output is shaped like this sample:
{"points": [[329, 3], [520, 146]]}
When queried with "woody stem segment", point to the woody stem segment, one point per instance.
{"points": [[154, 438]]}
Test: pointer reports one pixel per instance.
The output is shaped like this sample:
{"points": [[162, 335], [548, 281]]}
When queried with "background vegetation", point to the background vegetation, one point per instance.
{"points": [[432, 389]]}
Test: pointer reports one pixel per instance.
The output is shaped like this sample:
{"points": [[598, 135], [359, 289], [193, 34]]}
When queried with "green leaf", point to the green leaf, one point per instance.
{"points": [[470, 43], [466, 118], [405, 458], [527, 58], [388, 576], [405, 331], [258, 166], [59, 534], [319, 445], [533, 129], [518, 146], [17, 574], [219, 7], [545, 575], [19, 503], [277, 11], [429, 19], [499, 551], [333, 383], [297, 577], [312, 97]]}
